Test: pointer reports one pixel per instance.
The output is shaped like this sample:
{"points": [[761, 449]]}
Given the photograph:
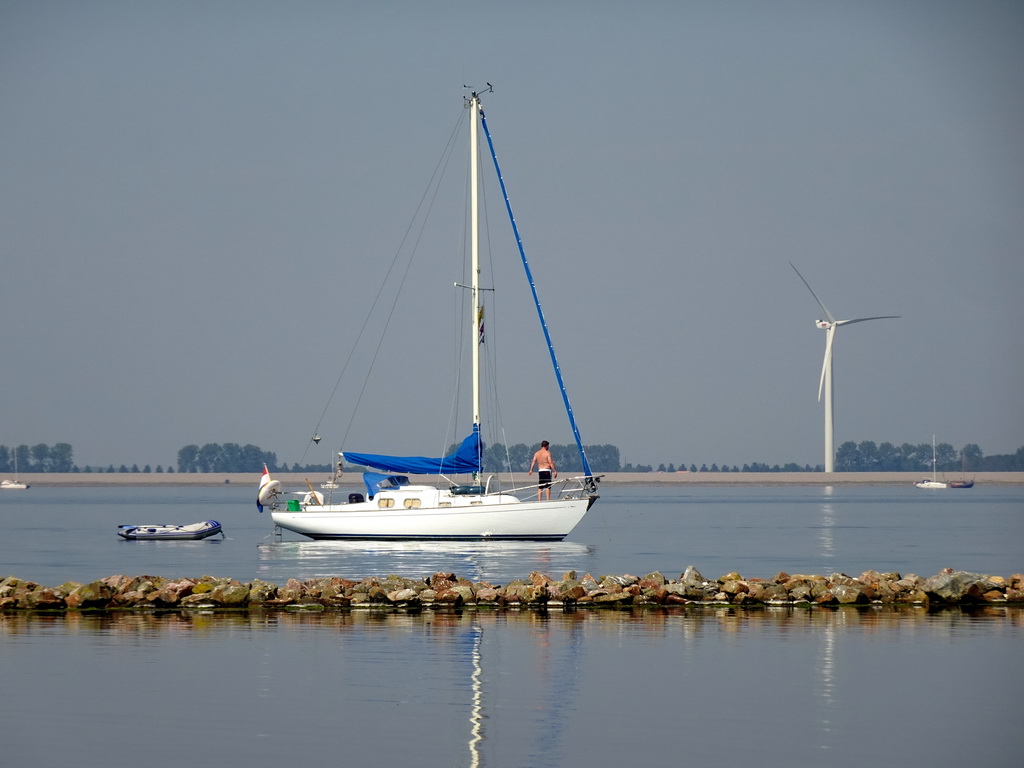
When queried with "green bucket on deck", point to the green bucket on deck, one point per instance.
{"points": [[293, 505]]}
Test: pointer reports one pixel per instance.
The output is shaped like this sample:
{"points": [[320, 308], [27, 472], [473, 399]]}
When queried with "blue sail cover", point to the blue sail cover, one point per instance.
{"points": [[377, 482], [465, 460]]}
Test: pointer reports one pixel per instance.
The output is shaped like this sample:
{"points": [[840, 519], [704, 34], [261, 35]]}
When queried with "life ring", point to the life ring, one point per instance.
{"points": [[269, 492]]}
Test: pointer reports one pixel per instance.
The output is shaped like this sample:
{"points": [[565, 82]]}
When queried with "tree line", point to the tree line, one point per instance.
{"points": [[232, 457], [37, 458], [887, 457], [225, 457], [869, 457]]}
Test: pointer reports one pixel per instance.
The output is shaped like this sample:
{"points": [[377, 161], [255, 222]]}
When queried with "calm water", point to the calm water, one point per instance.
{"points": [[707, 687]]}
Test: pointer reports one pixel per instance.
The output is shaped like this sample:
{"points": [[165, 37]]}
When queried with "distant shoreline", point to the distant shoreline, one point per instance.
{"points": [[354, 479]]}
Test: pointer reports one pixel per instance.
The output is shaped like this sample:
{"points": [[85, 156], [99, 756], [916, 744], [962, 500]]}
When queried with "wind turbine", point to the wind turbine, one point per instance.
{"points": [[825, 383]]}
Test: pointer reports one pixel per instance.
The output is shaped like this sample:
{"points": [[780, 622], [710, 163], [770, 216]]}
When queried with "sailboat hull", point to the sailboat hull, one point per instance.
{"points": [[512, 520]]}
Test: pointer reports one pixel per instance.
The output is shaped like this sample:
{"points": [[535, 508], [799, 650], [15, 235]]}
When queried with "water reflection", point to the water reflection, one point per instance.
{"points": [[625, 625], [482, 686], [499, 561]]}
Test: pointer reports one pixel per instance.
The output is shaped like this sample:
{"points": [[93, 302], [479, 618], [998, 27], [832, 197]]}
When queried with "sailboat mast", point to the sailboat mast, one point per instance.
{"points": [[474, 105]]}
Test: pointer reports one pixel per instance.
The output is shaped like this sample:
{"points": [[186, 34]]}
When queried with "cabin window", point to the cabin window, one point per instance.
{"points": [[475, 503], [445, 504], [412, 503], [385, 503]]}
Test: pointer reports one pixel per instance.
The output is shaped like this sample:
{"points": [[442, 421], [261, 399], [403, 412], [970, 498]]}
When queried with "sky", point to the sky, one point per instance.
{"points": [[199, 200]]}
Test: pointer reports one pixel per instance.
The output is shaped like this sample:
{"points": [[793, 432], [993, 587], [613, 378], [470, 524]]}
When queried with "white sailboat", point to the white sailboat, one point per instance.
{"points": [[13, 485], [334, 481], [396, 508], [933, 482]]}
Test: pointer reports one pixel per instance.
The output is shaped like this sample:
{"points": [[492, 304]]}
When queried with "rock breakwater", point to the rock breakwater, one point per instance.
{"points": [[538, 591]]}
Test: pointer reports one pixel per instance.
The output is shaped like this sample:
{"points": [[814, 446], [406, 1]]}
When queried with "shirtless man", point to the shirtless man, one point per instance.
{"points": [[545, 469]]}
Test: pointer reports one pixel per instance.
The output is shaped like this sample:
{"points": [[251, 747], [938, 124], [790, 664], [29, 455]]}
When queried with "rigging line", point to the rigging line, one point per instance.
{"points": [[492, 359], [492, 273], [508, 455], [536, 300], [394, 303], [459, 313], [458, 358], [495, 407], [432, 183]]}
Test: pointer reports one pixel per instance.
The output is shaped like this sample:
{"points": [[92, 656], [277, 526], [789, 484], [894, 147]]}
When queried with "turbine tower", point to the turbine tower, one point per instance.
{"points": [[825, 383]]}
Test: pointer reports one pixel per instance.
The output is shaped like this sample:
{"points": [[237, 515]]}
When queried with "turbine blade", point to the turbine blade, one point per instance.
{"points": [[862, 319], [827, 360], [823, 307]]}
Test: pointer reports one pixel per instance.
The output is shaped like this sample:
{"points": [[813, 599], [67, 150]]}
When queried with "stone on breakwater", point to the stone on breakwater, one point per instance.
{"points": [[446, 590], [232, 594], [958, 587], [95, 594]]}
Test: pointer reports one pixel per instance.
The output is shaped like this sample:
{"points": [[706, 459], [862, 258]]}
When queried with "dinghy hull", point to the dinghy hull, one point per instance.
{"points": [[170, 532]]}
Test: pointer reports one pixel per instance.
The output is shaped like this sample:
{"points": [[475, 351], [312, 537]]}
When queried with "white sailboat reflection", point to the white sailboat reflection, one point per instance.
{"points": [[476, 717], [544, 696], [495, 561]]}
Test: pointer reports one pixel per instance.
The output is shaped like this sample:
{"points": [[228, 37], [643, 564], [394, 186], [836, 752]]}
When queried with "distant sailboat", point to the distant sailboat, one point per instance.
{"points": [[334, 481], [933, 482], [15, 484], [963, 482]]}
